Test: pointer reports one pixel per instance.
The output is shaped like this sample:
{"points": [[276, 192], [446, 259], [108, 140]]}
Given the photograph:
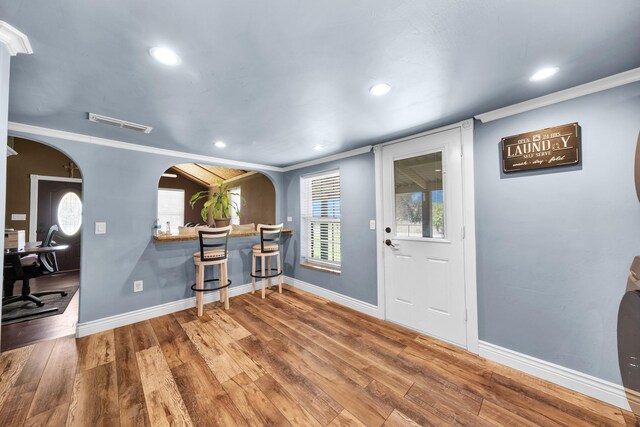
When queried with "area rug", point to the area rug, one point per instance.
{"points": [[12, 313]]}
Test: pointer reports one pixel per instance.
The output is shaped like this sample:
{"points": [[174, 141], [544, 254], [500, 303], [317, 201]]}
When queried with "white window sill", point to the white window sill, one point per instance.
{"points": [[312, 266]]}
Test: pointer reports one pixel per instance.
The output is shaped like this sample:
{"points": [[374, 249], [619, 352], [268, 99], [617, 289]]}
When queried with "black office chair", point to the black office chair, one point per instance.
{"points": [[33, 266], [48, 260]]}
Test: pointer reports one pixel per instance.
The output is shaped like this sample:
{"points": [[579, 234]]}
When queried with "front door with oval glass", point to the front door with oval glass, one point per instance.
{"points": [[423, 252], [60, 203]]}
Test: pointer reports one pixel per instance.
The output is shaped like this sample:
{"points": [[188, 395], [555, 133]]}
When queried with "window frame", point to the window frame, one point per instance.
{"points": [[307, 218], [174, 228]]}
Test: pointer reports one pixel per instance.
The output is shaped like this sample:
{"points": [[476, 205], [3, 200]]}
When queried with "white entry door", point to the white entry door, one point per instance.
{"points": [[423, 232]]}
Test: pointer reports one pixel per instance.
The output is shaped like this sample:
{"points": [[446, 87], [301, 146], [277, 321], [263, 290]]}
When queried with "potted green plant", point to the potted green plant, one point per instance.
{"points": [[218, 203]]}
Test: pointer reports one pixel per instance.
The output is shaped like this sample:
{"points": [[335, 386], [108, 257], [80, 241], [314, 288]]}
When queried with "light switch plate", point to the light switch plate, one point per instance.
{"points": [[289, 219], [18, 217], [138, 286], [101, 228], [372, 224]]}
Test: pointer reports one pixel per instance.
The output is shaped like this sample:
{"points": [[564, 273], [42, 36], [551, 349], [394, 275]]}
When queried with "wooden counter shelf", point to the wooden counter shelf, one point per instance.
{"points": [[187, 237]]}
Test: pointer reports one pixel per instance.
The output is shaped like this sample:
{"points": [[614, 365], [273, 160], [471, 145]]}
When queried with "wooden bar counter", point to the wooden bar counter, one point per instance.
{"points": [[165, 238]]}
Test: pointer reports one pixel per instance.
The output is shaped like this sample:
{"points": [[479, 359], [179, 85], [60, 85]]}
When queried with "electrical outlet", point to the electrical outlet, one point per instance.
{"points": [[289, 219], [137, 286], [372, 224]]}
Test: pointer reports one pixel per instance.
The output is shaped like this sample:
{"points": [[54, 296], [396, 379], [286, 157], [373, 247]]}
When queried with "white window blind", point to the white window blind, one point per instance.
{"points": [[320, 209], [171, 208]]}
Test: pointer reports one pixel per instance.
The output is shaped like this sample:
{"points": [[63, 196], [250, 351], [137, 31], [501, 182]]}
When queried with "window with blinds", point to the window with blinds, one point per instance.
{"points": [[320, 199]]}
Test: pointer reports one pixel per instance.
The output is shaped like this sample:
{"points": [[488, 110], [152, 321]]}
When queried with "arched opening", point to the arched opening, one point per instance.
{"points": [[43, 227], [242, 198]]}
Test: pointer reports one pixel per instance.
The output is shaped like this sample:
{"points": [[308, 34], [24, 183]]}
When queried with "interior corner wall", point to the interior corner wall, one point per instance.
{"points": [[5, 60], [120, 187], [32, 158], [259, 197], [554, 246], [358, 278], [190, 188]]}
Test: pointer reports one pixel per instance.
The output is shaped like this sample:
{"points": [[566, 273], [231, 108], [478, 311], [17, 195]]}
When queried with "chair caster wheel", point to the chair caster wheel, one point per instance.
{"points": [[64, 294], [39, 304]]}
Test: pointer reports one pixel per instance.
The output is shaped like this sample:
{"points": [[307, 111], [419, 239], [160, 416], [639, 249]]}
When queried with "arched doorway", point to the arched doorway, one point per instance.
{"points": [[43, 208]]}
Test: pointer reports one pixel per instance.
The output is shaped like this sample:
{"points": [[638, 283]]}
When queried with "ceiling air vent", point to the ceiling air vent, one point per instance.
{"points": [[123, 124]]}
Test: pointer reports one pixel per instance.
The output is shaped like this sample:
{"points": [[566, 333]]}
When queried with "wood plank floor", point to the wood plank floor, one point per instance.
{"points": [[31, 331], [291, 359]]}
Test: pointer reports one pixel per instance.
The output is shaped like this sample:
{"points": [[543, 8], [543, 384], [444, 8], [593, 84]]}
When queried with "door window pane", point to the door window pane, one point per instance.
{"points": [[70, 213], [419, 196]]}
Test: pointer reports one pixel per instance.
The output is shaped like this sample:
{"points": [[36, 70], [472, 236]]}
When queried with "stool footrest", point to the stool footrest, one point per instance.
{"points": [[193, 287], [258, 274]]}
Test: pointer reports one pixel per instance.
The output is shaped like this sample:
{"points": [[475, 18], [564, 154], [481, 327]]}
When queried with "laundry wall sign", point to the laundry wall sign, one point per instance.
{"points": [[546, 148]]}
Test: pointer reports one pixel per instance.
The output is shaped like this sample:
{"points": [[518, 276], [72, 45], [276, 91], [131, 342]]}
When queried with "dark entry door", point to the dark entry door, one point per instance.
{"points": [[50, 194]]}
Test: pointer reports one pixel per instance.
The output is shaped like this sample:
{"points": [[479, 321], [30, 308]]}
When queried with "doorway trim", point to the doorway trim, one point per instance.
{"points": [[33, 199], [469, 226]]}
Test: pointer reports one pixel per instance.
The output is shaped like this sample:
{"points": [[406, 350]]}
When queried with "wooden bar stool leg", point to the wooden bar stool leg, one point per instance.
{"points": [[263, 280], [279, 267], [221, 277], [253, 271], [269, 284], [226, 290], [199, 285]]}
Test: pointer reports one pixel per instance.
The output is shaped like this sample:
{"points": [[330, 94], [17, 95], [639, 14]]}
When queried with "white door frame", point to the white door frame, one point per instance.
{"points": [[33, 200], [469, 226]]}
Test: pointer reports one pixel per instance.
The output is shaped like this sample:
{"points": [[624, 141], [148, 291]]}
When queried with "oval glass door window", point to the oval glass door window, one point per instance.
{"points": [[70, 213]]}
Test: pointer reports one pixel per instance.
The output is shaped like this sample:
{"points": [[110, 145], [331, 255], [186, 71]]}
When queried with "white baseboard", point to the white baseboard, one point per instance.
{"points": [[597, 388], [95, 326], [364, 307]]}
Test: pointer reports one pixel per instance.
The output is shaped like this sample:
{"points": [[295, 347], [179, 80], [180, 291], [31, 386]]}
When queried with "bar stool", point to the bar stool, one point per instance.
{"points": [[213, 251], [268, 248]]}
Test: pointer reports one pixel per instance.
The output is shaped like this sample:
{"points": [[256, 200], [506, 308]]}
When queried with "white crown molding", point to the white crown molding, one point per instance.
{"points": [[465, 124], [616, 80], [333, 157], [597, 388], [87, 139], [15, 41], [104, 324], [356, 304]]}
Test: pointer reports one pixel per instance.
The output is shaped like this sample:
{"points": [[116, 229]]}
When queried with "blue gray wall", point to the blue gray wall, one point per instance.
{"points": [[120, 188], [357, 194], [554, 247], [5, 60]]}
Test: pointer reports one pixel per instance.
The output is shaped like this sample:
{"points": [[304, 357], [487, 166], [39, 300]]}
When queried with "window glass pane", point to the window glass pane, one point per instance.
{"points": [[419, 197], [320, 205], [236, 199], [70, 213], [171, 208]]}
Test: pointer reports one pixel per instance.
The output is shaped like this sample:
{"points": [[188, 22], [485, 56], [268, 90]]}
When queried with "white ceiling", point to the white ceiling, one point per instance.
{"points": [[275, 78]]}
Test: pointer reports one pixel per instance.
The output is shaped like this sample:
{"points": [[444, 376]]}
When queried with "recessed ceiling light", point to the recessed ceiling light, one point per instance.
{"points": [[164, 55], [544, 73], [379, 89], [438, 170], [220, 144], [318, 147]]}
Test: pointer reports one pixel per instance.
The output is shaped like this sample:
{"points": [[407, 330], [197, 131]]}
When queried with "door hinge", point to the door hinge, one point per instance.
{"points": [[465, 314], [463, 232], [461, 150]]}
